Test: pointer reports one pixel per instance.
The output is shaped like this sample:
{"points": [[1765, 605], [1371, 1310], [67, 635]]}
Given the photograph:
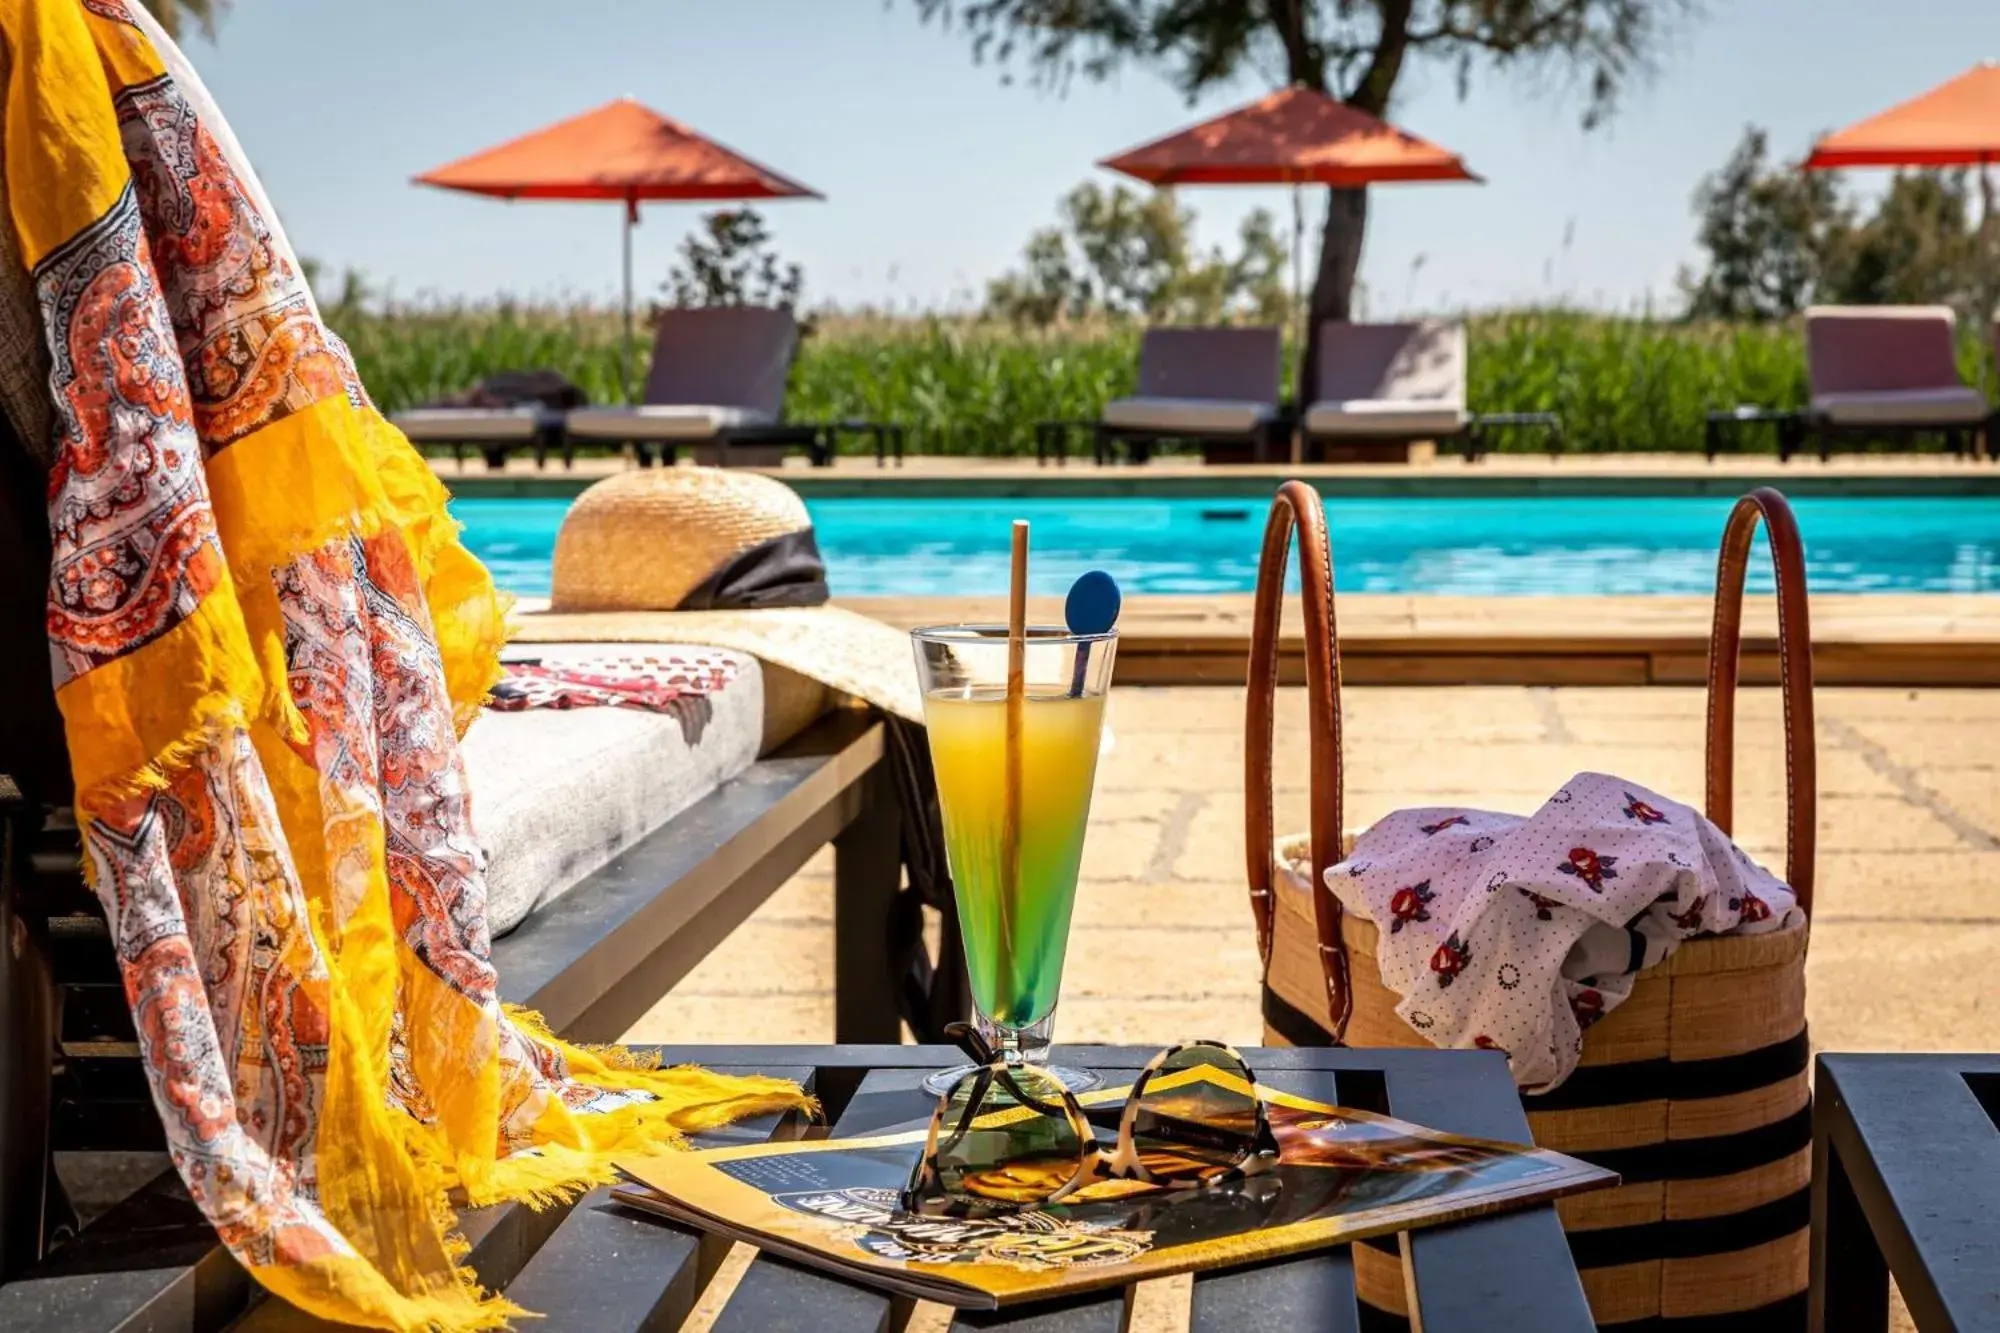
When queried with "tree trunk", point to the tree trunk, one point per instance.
{"points": [[1333, 287]]}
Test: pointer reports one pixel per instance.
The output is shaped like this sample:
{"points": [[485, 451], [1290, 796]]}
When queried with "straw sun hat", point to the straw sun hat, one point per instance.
{"points": [[715, 558]]}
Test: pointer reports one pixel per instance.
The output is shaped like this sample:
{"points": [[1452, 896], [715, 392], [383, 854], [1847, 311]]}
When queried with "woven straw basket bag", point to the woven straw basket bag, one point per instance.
{"points": [[1694, 1090]]}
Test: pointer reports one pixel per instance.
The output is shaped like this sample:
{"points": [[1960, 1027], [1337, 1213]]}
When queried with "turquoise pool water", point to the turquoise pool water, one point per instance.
{"points": [[1619, 545]]}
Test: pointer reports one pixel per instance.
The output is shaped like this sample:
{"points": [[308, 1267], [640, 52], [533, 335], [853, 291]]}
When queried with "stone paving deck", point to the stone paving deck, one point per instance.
{"points": [[1904, 943]]}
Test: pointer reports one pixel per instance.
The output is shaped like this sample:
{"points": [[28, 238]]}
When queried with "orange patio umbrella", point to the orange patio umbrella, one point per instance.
{"points": [[1956, 124], [1294, 137], [621, 151]]}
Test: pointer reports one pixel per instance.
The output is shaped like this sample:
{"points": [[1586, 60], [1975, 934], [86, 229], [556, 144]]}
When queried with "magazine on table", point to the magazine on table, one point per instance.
{"points": [[1343, 1175]]}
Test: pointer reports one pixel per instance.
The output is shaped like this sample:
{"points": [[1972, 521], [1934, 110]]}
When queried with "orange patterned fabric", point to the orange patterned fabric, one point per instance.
{"points": [[267, 640]]}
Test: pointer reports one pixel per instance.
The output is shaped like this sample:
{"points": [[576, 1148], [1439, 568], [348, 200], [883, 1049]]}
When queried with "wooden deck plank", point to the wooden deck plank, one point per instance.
{"points": [[1889, 639]]}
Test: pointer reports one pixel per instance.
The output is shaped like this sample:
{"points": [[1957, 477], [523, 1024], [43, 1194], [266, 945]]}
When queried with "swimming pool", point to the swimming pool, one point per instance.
{"points": [[1582, 545]]}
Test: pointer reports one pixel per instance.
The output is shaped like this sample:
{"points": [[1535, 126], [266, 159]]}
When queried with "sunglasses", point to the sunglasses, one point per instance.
{"points": [[1009, 1136]]}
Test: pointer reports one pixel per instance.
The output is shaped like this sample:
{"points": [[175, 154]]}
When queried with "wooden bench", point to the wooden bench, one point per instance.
{"points": [[592, 962]]}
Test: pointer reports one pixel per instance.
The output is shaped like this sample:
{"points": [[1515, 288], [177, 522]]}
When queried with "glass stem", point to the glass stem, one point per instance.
{"points": [[1028, 1045]]}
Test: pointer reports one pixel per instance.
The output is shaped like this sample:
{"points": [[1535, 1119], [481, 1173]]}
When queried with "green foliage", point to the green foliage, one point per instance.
{"points": [[1779, 238], [731, 261], [962, 387], [1349, 49], [176, 15], [411, 355], [1354, 51], [1918, 248], [1119, 253], [1620, 383], [1769, 233]]}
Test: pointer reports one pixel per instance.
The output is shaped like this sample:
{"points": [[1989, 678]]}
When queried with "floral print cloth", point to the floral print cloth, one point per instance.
{"points": [[1516, 934], [266, 639], [680, 685]]}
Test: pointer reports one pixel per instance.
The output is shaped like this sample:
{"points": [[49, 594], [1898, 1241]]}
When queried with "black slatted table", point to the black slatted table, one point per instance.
{"points": [[1512, 1271], [602, 1266], [1906, 1181]]}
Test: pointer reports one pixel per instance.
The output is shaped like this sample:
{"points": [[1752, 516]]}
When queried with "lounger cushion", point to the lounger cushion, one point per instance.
{"points": [[557, 793], [1948, 406], [468, 424], [661, 421], [1416, 419], [1202, 416]]}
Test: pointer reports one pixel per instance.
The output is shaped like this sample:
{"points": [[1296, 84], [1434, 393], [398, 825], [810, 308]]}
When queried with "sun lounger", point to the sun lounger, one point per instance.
{"points": [[717, 385], [621, 856], [1888, 371], [1217, 386], [503, 412], [1386, 384], [494, 431]]}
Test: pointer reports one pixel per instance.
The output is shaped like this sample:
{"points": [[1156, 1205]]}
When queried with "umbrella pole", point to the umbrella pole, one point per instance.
{"points": [[625, 349], [1298, 270], [1989, 274]]}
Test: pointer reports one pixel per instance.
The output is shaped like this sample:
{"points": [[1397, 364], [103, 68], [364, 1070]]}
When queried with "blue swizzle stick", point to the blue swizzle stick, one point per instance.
{"points": [[1092, 608]]}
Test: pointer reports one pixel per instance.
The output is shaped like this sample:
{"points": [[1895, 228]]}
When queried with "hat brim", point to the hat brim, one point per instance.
{"points": [[837, 647]]}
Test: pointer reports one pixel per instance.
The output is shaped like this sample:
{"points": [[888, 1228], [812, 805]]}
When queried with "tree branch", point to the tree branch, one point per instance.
{"points": [[1379, 80]]}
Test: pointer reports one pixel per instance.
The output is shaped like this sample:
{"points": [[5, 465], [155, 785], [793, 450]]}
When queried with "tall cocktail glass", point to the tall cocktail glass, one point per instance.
{"points": [[1015, 877]]}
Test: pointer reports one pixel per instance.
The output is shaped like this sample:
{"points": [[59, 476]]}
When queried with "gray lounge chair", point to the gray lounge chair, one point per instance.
{"points": [[1218, 386], [1387, 383], [1888, 371], [494, 431], [717, 384]]}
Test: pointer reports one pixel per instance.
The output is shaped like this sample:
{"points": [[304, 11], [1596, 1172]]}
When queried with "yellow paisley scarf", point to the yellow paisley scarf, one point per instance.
{"points": [[267, 640]]}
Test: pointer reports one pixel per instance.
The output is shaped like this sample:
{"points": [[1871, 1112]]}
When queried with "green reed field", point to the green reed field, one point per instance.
{"points": [[973, 387]]}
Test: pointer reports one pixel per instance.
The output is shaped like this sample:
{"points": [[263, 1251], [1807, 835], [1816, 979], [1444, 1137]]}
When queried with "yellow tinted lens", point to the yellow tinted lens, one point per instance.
{"points": [[1007, 1138], [1197, 1116]]}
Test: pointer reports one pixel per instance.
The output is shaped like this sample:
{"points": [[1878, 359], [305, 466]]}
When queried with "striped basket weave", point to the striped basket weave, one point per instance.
{"points": [[1694, 1090]]}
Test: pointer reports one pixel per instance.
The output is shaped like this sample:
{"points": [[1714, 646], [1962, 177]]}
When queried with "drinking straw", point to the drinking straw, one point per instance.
{"points": [[1017, 655]]}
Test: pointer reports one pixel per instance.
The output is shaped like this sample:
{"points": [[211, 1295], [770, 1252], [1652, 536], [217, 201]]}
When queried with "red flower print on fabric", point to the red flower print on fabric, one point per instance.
{"points": [[1450, 959], [1690, 919], [1639, 810], [1751, 908], [1411, 903], [1542, 905], [1486, 1043], [1589, 867], [1588, 1006], [1432, 830]]}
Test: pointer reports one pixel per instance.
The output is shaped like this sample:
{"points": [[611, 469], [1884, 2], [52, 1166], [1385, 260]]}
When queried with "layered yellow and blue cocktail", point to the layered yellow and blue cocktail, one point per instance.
{"points": [[1014, 832]]}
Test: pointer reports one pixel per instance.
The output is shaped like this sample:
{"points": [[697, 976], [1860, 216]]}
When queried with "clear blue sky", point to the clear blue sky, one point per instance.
{"points": [[935, 172]]}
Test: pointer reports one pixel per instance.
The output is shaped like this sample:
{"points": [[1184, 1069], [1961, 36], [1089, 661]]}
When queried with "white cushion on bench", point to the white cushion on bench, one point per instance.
{"points": [[1947, 405], [1206, 416], [660, 421], [1414, 418], [557, 793], [452, 425]]}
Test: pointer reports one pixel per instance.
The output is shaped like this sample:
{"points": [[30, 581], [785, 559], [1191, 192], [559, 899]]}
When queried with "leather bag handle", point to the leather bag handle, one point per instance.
{"points": [[1297, 507], [1795, 678]]}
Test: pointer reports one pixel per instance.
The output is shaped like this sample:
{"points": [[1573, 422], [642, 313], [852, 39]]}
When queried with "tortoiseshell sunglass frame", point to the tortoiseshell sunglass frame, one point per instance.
{"points": [[926, 1193]]}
